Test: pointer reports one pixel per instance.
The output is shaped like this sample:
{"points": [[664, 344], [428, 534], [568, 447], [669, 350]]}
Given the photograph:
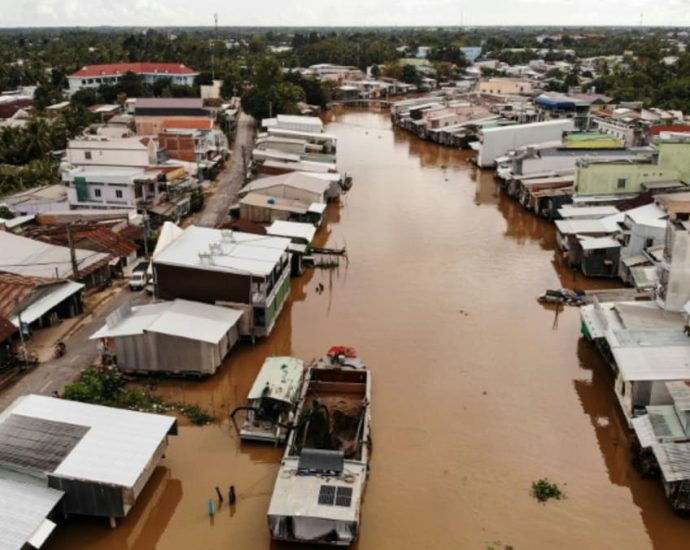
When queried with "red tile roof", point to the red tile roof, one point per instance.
{"points": [[187, 124], [139, 68]]}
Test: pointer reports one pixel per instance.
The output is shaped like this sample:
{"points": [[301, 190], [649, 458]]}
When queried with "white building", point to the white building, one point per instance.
{"points": [[297, 123], [102, 151], [99, 458], [111, 187], [93, 76], [174, 337]]}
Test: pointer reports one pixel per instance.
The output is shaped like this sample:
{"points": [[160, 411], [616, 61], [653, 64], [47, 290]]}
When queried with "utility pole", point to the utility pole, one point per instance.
{"points": [[72, 252]]}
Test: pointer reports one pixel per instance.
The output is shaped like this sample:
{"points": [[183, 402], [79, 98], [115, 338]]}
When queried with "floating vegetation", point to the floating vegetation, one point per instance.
{"points": [[544, 489], [107, 387]]}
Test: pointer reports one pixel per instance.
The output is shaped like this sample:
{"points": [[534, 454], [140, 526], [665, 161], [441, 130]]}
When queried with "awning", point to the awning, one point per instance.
{"points": [[44, 305]]}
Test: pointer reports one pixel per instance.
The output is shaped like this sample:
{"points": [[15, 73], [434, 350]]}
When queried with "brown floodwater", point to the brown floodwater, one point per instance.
{"points": [[478, 390]]}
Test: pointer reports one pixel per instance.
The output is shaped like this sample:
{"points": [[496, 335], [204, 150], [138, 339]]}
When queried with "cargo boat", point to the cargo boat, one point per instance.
{"points": [[318, 491]]}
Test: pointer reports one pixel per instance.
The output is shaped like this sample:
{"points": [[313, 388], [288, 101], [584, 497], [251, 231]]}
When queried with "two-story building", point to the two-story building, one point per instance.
{"points": [[250, 272], [93, 76], [670, 165], [151, 113]]}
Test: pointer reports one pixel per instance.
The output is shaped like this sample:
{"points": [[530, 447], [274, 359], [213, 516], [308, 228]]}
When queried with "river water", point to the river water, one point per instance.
{"points": [[478, 390]]}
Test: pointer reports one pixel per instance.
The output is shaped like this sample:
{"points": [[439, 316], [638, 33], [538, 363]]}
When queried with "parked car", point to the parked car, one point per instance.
{"points": [[139, 277]]}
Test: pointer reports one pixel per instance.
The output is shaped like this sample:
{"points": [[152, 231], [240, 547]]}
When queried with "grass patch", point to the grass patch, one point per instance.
{"points": [[544, 489], [105, 387]]}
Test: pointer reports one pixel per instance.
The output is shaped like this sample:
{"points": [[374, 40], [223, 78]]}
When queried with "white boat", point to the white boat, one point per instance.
{"points": [[272, 401], [318, 492]]}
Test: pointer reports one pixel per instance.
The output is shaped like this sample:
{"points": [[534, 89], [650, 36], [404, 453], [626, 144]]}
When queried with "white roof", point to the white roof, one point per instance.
{"points": [[307, 135], [168, 233], [292, 230], [35, 258], [17, 220], [298, 496], [282, 376], [317, 207], [312, 121], [109, 143], [297, 180], [116, 449], [593, 212], [229, 251], [57, 294], [573, 227], [639, 363], [24, 507], [182, 318], [601, 242], [648, 214]]}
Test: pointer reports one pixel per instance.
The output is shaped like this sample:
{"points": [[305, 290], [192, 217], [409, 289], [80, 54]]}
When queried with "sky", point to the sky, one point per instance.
{"points": [[152, 13]]}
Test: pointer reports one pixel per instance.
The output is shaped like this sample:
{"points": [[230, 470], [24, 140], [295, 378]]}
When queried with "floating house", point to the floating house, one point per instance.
{"points": [[494, 142], [260, 208], [646, 347], [305, 187], [74, 458], [178, 337], [214, 266]]}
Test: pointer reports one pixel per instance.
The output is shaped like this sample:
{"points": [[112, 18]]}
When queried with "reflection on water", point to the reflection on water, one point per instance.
{"points": [[478, 390]]}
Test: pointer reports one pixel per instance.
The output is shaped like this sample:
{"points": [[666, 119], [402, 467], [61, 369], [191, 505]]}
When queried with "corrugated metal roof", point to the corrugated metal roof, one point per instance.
{"points": [[292, 230], [17, 290], [279, 378], [298, 180], [34, 258], [182, 318], [275, 203], [55, 295], [674, 460], [117, 447], [680, 392], [229, 251], [654, 363], [24, 507]]}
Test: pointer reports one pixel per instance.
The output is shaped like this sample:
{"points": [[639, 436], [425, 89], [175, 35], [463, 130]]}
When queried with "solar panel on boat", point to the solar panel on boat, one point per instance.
{"points": [[327, 495], [343, 496]]}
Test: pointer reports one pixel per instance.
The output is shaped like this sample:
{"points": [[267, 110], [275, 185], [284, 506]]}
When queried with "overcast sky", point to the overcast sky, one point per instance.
{"points": [[65, 13]]}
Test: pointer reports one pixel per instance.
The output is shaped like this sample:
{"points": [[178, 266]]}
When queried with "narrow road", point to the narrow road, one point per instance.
{"points": [[216, 209], [52, 375]]}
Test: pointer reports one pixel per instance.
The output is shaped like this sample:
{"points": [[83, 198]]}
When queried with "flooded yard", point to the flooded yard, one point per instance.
{"points": [[477, 389]]}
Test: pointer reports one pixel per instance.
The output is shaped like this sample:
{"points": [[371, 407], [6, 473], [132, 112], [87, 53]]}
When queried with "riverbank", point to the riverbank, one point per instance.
{"points": [[479, 390]]}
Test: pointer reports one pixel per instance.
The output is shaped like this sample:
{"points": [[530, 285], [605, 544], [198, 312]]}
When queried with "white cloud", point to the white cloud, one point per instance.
{"points": [[337, 12]]}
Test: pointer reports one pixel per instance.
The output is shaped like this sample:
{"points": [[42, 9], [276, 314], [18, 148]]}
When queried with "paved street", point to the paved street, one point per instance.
{"points": [[231, 180], [54, 374]]}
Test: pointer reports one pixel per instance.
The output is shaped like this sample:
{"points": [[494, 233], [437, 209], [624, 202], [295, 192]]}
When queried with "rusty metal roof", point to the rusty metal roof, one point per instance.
{"points": [[17, 289]]}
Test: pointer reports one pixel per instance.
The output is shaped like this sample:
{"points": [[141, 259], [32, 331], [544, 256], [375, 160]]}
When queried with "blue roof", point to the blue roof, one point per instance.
{"points": [[557, 102]]}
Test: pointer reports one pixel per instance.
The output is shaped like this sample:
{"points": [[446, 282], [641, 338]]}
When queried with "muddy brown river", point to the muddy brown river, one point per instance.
{"points": [[478, 389]]}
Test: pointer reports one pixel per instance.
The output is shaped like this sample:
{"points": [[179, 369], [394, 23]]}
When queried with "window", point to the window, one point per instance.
{"points": [[87, 155], [621, 183], [648, 242], [118, 194], [97, 193]]}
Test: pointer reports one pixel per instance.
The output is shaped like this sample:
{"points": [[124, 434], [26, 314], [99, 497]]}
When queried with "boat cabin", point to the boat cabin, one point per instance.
{"points": [[272, 401]]}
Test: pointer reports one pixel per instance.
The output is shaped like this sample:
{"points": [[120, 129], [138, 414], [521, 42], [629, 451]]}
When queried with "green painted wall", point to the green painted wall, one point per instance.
{"points": [[606, 178]]}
